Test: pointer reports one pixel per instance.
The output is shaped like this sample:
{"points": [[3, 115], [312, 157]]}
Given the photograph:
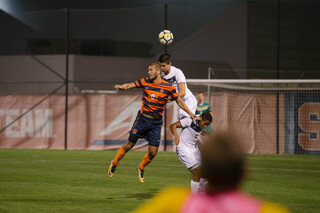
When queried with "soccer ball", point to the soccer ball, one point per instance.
{"points": [[165, 37]]}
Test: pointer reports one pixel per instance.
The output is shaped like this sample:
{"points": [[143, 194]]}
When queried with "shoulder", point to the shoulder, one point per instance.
{"points": [[268, 207], [167, 84], [143, 80], [176, 70], [178, 74], [163, 201], [164, 81], [146, 79], [186, 121]]}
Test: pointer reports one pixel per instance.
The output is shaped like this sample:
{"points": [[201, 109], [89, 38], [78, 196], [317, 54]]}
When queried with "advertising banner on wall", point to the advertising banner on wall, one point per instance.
{"points": [[102, 121], [94, 121], [302, 123]]}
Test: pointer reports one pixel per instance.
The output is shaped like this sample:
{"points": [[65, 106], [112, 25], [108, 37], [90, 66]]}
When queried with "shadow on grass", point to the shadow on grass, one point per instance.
{"points": [[140, 196], [137, 196]]}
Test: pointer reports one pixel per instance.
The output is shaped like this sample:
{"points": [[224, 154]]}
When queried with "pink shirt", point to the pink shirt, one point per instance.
{"points": [[226, 202]]}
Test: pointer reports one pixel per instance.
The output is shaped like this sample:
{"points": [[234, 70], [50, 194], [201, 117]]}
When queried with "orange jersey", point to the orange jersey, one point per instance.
{"points": [[155, 95]]}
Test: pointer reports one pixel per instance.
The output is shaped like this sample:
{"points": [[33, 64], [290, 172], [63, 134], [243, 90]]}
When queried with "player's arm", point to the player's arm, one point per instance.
{"points": [[183, 106], [173, 129], [182, 89], [125, 86]]}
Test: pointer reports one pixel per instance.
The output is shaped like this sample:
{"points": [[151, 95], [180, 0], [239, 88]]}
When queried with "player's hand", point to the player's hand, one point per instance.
{"points": [[117, 86], [193, 116], [176, 140]]}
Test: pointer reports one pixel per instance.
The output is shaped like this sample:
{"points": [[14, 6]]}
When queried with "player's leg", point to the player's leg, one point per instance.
{"points": [[134, 135], [153, 135], [185, 153], [203, 184], [203, 181], [152, 152], [195, 182], [120, 154], [148, 157], [122, 151]]}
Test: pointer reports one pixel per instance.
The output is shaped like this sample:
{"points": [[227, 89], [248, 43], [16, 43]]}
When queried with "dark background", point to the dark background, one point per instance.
{"points": [[115, 41]]}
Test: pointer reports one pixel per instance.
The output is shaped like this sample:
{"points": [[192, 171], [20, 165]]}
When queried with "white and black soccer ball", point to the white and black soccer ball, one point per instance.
{"points": [[165, 37]]}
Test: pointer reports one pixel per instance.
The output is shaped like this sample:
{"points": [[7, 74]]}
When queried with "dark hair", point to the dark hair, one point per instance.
{"points": [[206, 116], [165, 58], [223, 162]]}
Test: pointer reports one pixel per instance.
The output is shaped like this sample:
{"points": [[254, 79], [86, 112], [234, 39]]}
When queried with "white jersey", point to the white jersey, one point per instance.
{"points": [[190, 131], [175, 77], [187, 149]]}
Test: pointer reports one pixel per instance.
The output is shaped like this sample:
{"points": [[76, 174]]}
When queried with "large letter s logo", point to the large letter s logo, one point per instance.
{"points": [[309, 122]]}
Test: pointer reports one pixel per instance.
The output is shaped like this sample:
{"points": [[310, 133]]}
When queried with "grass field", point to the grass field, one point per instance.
{"points": [[76, 181]]}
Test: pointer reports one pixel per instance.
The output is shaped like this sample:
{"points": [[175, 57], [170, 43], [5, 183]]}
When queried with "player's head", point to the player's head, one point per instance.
{"points": [[223, 162], [165, 62], [154, 70], [165, 58], [200, 97], [205, 120]]}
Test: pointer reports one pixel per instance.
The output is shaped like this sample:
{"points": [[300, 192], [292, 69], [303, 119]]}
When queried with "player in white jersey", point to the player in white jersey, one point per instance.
{"points": [[176, 77], [187, 146]]}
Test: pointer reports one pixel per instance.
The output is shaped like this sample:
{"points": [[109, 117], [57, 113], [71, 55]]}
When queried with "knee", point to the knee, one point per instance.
{"points": [[127, 146], [196, 174], [152, 154]]}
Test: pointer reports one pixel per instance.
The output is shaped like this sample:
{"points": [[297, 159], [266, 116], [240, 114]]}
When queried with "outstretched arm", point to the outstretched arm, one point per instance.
{"points": [[183, 106], [173, 129], [182, 89], [125, 86]]}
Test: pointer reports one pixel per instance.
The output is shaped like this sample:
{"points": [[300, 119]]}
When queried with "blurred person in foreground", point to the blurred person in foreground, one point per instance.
{"points": [[223, 165]]}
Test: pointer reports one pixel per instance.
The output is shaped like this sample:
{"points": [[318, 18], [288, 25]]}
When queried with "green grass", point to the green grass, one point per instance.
{"points": [[76, 181]]}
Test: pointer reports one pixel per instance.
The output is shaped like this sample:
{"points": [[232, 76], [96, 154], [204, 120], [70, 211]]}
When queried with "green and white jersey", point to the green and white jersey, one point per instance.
{"points": [[201, 108]]}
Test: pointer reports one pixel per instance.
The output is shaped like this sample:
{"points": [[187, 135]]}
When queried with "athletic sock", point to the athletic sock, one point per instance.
{"points": [[203, 184], [195, 186], [146, 160], [119, 156]]}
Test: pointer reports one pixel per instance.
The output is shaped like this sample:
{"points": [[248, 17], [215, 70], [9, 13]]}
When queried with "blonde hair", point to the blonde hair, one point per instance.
{"points": [[156, 65]]}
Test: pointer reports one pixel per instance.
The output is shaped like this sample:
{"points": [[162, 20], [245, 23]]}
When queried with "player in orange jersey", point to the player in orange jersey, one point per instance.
{"points": [[147, 125]]}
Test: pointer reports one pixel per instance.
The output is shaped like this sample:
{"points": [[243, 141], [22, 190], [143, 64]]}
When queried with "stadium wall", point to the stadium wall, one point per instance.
{"points": [[102, 121], [82, 69]]}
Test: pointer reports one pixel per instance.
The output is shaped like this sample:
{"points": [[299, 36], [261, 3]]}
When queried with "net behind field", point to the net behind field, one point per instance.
{"points": [[269, 116]]}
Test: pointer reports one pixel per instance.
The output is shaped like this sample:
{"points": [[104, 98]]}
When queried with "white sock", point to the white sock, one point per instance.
{"points": [[195, 186], [203, 184]]}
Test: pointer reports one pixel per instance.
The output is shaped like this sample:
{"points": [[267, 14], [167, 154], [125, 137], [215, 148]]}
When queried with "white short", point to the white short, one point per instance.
{"points": [[191, 103], [189, 155]]}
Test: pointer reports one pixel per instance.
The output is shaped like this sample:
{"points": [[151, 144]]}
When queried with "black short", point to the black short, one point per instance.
{"points": [[147, 128]]}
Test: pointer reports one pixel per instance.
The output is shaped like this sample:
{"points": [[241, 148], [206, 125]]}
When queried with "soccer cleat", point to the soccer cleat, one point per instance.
{"points": [[111, 169], [141, 175]]}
